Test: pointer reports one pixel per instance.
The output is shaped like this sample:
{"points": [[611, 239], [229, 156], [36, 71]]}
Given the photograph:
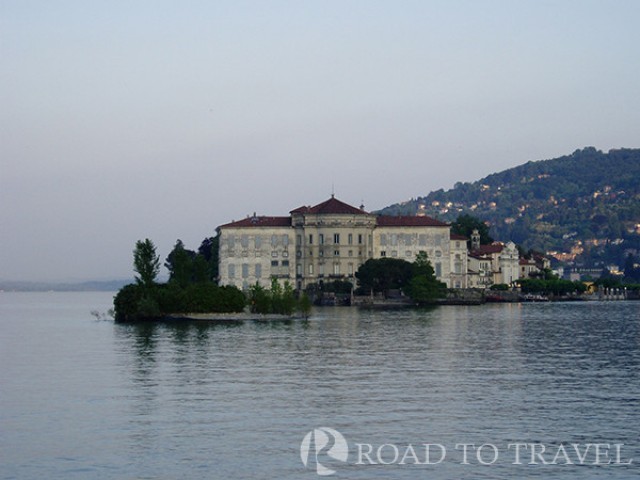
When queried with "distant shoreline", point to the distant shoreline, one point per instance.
{"points": [[87, 286]]}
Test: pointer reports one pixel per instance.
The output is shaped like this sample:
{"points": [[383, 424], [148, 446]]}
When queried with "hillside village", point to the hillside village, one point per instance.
{"points": [[581, 210]]}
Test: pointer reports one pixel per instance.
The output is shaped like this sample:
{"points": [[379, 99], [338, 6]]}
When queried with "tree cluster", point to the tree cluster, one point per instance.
{"points": [[465, 225], [417, 279], [186, 266], [278, 299], [556, 287], [190, 289]]}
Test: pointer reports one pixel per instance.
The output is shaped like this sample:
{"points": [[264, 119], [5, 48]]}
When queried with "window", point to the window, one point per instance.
{"points": [[274, 240], [336, 238], [408, 253], [321, 238], [383, 253], [394, 253], [244, 241], [438, 253], [438, 269], [336, 269], [311, 239], [359, 239], [321, 253], [350, 268], [457, 244], [258, 270], [258, 241], [285, 263], [336, 253], [274, 263], [298, 239], [350, 239], [351, 253], [232, 271], [232, 241], [285, 240], [274, 254], [299, 270], [383, 239], [311, 269], [438, 240], [422, 239], [245, 270], [321, 269], [285, 254], [394, 239]]}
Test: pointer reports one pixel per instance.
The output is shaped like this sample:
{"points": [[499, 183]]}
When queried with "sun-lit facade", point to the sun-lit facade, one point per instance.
{"points": [[330, 241]]}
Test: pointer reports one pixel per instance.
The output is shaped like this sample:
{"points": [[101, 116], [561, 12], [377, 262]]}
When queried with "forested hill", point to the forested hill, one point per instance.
{"points": [[588, 196]]}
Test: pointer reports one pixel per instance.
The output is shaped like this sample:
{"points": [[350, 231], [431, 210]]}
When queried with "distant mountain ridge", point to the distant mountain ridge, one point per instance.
{"points": [[586, 198]]}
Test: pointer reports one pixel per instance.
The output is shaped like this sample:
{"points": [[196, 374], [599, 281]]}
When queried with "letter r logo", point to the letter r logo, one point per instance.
{"points": [[323, 441]]}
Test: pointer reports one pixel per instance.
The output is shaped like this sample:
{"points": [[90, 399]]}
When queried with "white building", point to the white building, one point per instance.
{"points": [[497, 263], [330, 241]]}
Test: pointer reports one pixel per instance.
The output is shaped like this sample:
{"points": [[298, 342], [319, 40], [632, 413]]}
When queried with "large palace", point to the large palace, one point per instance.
{"points": [[330, 241]]}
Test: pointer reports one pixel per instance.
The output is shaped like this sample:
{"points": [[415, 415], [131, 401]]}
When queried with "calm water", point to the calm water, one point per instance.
{"points": [[85, 399]]}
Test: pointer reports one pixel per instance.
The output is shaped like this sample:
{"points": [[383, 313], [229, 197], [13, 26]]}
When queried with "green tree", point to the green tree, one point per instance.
{"points": [[180, 263], [424, 287], [631, 272], [465, 224], [259, 299], [304, 305], [201, 270], [288, 303], [383, 274], [278, 299], [209, 250], [146, 262]]}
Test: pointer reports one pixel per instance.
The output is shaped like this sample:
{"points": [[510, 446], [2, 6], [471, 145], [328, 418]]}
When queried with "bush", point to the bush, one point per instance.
{"points": [[555, 287], [139, 302], [279, 300], [126, 302]]}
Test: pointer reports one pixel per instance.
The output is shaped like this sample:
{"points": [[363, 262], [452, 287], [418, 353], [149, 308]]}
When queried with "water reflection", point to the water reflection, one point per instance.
{"points": [[503, 373]]}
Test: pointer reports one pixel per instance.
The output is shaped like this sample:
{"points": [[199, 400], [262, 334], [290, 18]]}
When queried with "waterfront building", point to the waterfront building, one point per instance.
{"points": [[497, 263], [330, 241]]}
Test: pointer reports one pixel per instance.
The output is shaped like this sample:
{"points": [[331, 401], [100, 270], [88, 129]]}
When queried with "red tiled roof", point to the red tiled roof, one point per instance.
{"points": [[455, 236], [488, 249], [331, 206], [409, 221], [524, 261], [302, 209], [260, 222]]}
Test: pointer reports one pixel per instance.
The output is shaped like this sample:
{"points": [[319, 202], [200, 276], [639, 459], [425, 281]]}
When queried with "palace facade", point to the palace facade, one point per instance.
{"points": [[330, 241]]}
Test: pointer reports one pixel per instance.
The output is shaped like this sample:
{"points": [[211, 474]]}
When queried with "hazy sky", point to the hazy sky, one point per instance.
{"points": [[122, 120]]}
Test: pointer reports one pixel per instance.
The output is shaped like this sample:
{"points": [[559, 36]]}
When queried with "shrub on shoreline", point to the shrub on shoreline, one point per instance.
{"points": [[136, 302]]}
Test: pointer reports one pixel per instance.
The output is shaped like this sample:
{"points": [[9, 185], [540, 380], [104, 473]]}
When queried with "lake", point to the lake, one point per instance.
{"points": [[496, 391]]}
